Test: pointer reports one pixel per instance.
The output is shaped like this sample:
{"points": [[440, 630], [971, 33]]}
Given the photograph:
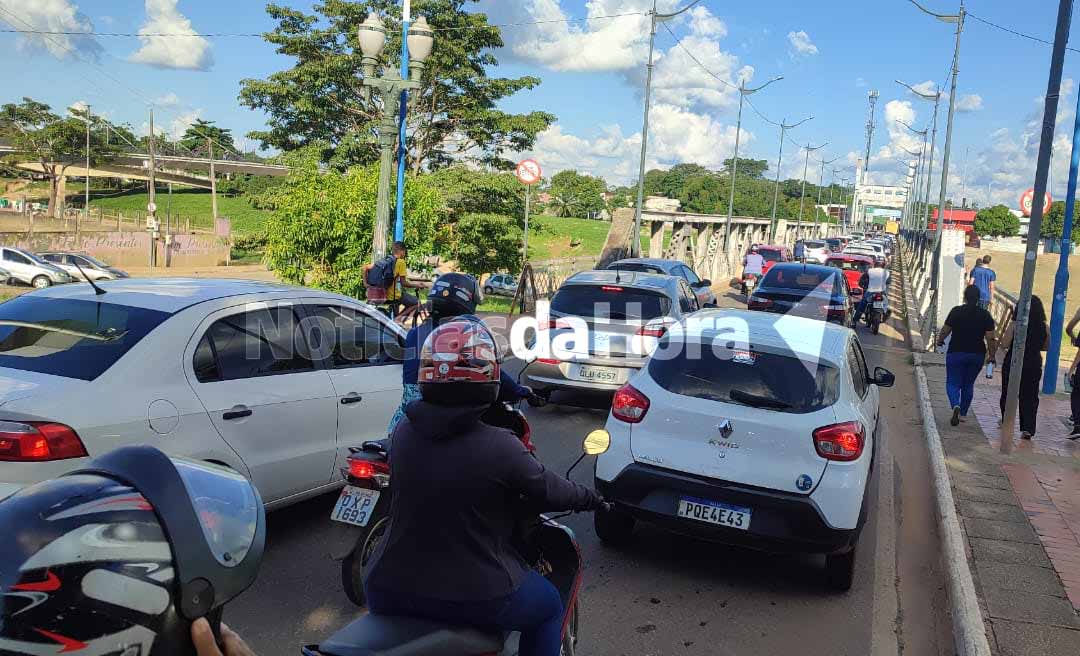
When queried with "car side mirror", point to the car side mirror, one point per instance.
{"points": [[883, 377], [703, 283]]}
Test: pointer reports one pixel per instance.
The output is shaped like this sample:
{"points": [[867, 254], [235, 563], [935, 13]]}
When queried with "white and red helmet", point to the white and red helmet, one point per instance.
{"points": [[459, 365]]}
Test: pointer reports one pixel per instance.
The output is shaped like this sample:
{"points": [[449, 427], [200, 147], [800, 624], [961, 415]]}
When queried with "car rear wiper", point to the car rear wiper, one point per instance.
{"points": [[104, 336], [756, 401]]}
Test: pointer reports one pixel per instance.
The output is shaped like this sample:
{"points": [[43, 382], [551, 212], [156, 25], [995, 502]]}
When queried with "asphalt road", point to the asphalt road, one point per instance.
{"points": [[667, 594]]}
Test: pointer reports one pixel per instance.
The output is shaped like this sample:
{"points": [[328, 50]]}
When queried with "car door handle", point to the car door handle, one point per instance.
{"points": [[236, 412], [351, 398]]}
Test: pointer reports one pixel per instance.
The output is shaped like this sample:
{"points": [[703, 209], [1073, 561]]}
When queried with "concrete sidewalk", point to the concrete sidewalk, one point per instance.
{"points": [[1021, 518]]}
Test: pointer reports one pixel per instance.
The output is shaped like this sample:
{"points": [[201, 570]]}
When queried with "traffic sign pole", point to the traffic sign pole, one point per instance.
{"points": [[528, 172]]}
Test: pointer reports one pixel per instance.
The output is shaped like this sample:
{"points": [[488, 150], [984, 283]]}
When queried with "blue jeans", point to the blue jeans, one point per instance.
{"points": [[535, 609], [961, 370]]}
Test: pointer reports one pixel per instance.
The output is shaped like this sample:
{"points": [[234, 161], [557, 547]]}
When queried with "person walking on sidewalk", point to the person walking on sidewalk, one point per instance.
{"points": [[972, 330], [1038, 339], [983, 277], [1074, 394]]}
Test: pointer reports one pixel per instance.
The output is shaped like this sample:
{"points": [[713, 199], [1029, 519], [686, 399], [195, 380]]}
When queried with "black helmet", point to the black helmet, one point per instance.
{"points": [[459, 365], [454, 294], [121, 557]]}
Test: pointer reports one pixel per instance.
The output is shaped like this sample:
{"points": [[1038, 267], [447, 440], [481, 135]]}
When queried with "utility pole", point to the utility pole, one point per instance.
{"points": [[784, 127], [213, 179], [1042, 169], [152, 206], [86, 203], [743, 93], [821, 181], [802, 197], [654, 17], [862, 178]]}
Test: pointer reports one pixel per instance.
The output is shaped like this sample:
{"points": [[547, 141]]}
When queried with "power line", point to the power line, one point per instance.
{"points": [[226, 35], [760, 115], [1014, 32], [689, 54]]}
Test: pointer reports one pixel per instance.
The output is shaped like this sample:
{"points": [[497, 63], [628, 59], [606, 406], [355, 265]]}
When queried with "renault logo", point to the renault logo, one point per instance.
{"points": [[725, 428]]}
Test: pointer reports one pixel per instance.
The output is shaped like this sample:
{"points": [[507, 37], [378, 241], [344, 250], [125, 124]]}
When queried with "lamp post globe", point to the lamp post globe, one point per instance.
{"points": [[372, 36], [421, 40]]}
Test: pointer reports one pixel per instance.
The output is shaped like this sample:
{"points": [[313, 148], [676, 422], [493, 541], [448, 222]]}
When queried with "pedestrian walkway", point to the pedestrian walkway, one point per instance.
{"points": [[1021, 518]]}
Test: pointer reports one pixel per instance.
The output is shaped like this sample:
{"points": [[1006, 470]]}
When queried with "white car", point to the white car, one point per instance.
{"points": [[80, 266], [769, 445], [274, 381], [30, 269], [816, 251], [502, 284]]}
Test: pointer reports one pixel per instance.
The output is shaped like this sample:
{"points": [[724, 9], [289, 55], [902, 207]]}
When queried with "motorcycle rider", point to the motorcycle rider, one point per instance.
{"points": [[874, 280], [452, 295], [459, 490], [753, 263]]}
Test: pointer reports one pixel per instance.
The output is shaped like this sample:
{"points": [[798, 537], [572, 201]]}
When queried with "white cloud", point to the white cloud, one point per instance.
{"points": [[801, 43], [51, 16], [703, 23], [163, 17], [168, 100], [927, 87], [173, 129], [970, 103], [79, 105], [678, 80]]}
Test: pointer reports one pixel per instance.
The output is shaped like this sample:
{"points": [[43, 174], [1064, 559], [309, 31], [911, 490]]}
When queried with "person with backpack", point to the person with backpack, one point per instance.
{"points": [[388, 278]]}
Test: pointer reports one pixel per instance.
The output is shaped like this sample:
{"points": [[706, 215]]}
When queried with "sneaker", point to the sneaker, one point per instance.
{"points": [[955, 421], [1026, 435], [1075, 434]]}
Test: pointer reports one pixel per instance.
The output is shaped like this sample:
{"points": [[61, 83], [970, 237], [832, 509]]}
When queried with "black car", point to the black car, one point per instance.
{"points": [[806, 290]]}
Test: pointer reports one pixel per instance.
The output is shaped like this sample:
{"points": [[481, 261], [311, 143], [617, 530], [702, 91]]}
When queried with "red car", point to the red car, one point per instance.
{"points": [[772, 255], [853, 266]]}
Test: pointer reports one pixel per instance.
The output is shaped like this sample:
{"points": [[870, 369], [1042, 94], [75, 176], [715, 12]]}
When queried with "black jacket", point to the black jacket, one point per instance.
{"points": [[457, 485]]}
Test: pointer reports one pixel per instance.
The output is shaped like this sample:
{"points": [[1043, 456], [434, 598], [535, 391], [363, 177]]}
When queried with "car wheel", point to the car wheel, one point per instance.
{"points": [[613, 527], [488, 291], [840, 570], [354, 566], [41, 282]]}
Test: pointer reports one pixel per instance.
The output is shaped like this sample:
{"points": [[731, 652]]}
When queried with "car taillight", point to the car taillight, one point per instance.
{"points": [[548, 360], [757, 303], [38, 441], [652, 331], [629, 405], [835, 312], [879, 297], [611, 288], [841, 442], [367, 469]]}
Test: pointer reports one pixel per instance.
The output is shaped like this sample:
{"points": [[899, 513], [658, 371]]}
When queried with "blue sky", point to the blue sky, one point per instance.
{"points": [[831, 53]]}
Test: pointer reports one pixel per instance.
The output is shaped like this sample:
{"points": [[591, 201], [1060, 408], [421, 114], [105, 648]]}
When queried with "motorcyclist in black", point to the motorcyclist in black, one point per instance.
{"points": [[452, 295], [459, 488]]}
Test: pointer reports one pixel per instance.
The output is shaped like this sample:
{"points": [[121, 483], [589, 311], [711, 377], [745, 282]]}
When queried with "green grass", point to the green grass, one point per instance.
{"points": [[557, 234], [495, 304], [190, 202]]}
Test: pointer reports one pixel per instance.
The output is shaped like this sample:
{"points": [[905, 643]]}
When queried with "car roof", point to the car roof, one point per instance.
{"points": [[660, 263], [804, 266], [770, 247], [655, 281], [170, 294], [851, 257], [806, 337]]}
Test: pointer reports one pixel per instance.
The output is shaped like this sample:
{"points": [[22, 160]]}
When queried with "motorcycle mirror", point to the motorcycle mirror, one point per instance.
{"points": [[596, 442]]}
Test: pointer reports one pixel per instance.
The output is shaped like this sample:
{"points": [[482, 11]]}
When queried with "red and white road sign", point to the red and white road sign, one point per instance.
{"points": [[1028, 199], [528, 171]]}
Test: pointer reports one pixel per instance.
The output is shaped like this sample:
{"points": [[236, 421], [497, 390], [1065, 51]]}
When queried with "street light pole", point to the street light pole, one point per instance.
{"points": [[784, 127], [802, 197], [654, 17], [86, 203], [743, 93], [1042, 169], [936, 97], [821, 181]]}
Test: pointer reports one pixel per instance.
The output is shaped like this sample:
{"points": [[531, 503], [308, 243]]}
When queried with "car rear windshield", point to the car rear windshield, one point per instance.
{"points": [[771, 255], [798, 278], [815, 244], [772, 381], [610, 302], [849, 265], [636, 266], [71, 338]]}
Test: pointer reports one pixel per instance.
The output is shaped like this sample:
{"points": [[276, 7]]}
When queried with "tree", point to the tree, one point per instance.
{"points": [[320, 233], [195, 136], [751, 168], [482, 243], [454, 114], [997, 221], [1054, 221], [53, 142], [575, 194], [468, 191]]}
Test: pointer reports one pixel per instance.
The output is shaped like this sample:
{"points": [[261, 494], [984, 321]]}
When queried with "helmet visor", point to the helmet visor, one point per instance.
{"points": [[226, 506]]}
